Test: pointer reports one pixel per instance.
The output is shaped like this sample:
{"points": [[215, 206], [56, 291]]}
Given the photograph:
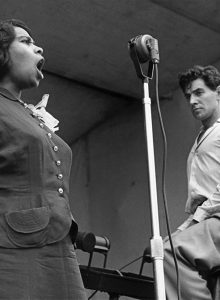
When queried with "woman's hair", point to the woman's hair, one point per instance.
{"points": [[209, 74], [7, 36]]}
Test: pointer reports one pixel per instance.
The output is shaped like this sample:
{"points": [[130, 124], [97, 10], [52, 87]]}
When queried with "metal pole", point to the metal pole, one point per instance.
{"points": [[156, 242]]}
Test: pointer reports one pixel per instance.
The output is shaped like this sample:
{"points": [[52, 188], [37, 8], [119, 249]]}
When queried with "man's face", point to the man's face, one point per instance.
{"points": [[203, 101], [26, 61]]}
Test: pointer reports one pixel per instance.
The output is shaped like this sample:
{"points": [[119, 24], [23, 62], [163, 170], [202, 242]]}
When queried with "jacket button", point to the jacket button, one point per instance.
{"points": [[58, 162], [60, 190], [49, 135], [41, 125], [55, 148], [60, 176]]}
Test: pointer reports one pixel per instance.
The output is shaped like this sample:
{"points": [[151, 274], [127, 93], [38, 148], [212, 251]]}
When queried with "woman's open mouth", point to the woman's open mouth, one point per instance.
{"points": [[40, 65]]}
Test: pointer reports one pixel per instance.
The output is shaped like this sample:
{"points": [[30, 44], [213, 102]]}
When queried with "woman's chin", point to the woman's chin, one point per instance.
{"points": [[35, 83]]}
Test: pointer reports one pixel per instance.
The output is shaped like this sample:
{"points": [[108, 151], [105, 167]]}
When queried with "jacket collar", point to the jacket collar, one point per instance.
{"points": [[206, 132], [5, 93]]}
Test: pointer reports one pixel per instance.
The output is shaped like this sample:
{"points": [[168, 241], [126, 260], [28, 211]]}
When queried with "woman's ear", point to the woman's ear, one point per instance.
{"points": [[218, 91]]}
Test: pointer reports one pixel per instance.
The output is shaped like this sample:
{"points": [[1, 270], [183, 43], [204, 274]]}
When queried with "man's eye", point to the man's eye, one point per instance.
{"points": [[187, 96]]}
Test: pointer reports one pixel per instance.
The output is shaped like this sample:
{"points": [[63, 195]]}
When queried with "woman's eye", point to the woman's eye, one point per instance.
{"points": [[27, 41]]}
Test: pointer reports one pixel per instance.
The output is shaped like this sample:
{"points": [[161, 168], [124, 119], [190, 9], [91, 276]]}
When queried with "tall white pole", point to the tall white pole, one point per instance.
{"points": [[156, 242]]}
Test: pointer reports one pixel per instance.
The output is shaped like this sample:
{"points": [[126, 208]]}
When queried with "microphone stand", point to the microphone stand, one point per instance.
{"points": [[156, 242]]}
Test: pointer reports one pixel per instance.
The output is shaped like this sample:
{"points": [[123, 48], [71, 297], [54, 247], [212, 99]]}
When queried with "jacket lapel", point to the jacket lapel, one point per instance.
{"points": [[206, 133]]}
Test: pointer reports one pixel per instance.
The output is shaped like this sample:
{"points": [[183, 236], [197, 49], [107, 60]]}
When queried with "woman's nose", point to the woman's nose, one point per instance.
{"points": [[39, 50]]}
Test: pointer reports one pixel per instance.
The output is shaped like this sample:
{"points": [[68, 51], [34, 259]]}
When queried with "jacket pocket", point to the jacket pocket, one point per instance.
{"points": [[28, 228]]}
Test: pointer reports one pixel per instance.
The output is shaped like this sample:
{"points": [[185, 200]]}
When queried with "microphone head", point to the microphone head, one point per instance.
{"points": [[146, 48], [142, 47]]}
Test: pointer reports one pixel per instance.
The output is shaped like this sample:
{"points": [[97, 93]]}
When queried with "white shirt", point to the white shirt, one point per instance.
{"points": [[203, 172]]}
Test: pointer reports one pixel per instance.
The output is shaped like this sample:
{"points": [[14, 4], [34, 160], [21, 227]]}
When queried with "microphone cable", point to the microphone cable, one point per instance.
{"points": [[129, 263], [164, 183], [93, 294]]}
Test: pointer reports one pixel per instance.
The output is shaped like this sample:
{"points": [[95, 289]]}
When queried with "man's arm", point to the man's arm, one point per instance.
{"points": [[209, 207], [186, 224]]}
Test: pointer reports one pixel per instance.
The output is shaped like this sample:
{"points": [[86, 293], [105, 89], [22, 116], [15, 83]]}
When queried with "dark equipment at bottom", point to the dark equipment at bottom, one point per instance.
{"points": [[89, 242], [117, 283]]}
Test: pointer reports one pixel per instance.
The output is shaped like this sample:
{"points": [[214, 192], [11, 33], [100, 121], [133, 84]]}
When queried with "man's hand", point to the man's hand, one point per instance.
{"points": [[172, 235], [193, 222]]}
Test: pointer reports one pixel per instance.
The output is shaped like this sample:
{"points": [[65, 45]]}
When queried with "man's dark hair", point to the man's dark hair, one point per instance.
{"points": [[209, 74], [7, 36]]}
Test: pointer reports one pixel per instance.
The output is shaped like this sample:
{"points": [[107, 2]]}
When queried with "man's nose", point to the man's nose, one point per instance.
{"points": [[193, 99]]}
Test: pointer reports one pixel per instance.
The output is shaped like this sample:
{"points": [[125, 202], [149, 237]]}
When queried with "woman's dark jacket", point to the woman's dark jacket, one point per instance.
{"points": [[34, 176]]}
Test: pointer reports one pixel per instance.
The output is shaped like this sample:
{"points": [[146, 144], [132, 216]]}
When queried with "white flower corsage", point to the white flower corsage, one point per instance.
{"points": [[40, 112]]}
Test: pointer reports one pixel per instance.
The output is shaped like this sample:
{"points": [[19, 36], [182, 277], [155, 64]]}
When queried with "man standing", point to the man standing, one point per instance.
{"points": [[197, 240]]}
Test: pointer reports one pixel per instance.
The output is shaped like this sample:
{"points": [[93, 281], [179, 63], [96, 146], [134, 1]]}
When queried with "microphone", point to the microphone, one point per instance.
{"points": [[146, 48]]}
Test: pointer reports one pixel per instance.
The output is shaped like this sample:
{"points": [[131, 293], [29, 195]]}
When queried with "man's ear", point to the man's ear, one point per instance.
{"points": [[218, 90]]}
